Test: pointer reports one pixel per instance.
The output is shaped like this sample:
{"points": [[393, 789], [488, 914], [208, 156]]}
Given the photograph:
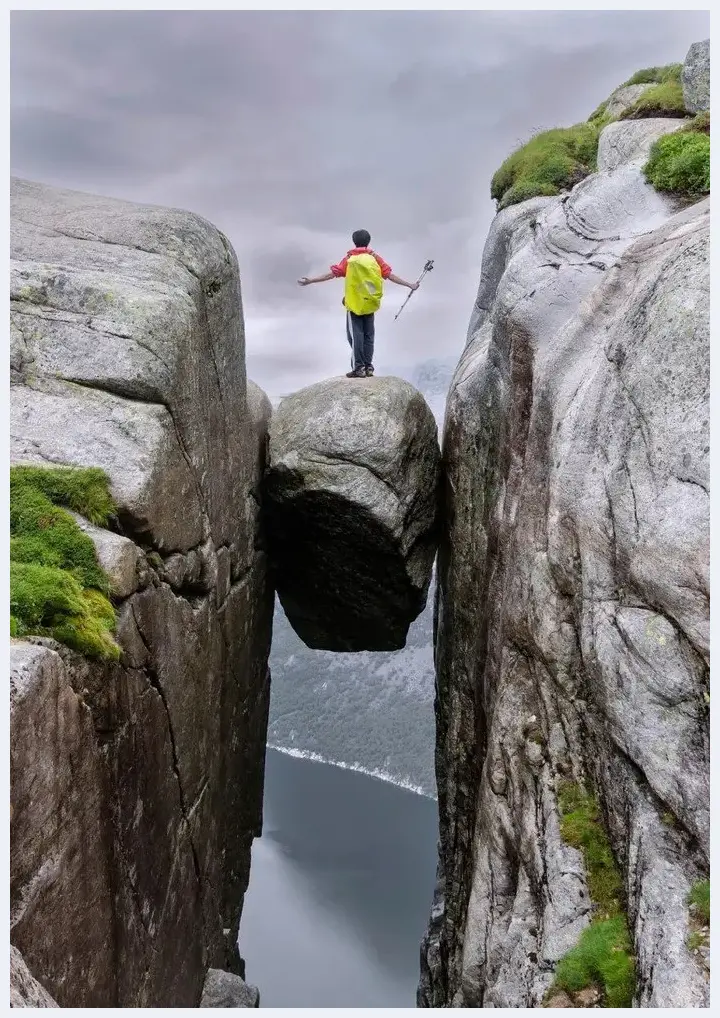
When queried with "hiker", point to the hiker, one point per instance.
{"points": [[364, 271]]}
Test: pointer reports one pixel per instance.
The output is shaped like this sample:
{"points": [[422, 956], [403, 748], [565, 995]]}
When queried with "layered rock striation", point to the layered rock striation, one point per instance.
{"points": [[572, 609], [136, 786], [351, 502]]}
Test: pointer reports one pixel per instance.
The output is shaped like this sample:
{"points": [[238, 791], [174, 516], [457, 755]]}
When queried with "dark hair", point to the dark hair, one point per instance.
{"points": [[361, 238]]}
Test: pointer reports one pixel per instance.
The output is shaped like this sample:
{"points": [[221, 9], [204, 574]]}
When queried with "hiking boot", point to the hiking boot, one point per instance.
{"points": [[356, 373], [369, 370]]}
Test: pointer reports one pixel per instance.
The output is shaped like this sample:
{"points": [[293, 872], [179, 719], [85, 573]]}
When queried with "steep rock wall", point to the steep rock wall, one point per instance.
{"points": [[572, 608], [136, 787]]}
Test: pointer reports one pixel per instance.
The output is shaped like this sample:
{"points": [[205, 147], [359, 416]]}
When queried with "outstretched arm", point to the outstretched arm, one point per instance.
{"points": [[402, 282], [306, 280]]}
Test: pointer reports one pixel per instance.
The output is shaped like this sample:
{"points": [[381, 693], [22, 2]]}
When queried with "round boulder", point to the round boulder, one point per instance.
{"points": [[351, 505]]}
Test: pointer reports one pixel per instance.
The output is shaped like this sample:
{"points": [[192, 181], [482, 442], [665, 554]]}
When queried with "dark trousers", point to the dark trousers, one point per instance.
{"points": [[361, 337]]}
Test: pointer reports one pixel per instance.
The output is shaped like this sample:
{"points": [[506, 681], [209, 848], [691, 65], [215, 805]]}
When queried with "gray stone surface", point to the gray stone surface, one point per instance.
{"points": [[25, 990], [225, 989], [123, 562], [573, 593], [137, 786], [623, 98], [628, 142], [351, 506], [696, 77]]}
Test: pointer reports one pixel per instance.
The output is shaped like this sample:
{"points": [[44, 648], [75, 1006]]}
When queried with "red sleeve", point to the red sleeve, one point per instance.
{"points": [[384, 267], [340, 269]]}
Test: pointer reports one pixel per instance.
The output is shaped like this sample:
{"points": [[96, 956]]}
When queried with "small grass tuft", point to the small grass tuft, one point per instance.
{"points": [[655, 75], [699, 896], [700, 124], [680, 163], [547, 164], [662, 100], [57, 587], [581, 826], [602, 956]]}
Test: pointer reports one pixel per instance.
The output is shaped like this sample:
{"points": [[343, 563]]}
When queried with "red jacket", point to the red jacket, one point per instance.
{"points": [[341, 268]]}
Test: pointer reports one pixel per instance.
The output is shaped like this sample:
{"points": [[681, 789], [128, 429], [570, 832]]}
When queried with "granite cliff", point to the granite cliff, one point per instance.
{"points": [[136, 784], [572, 609]]}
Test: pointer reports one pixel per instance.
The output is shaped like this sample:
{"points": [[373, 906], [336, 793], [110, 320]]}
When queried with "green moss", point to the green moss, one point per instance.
{"points": [[549, 163], [602, 956], [57, 587], [700, 897], [653, 75], [663, 100], [680, 163], [581, 826], [83, 490]]}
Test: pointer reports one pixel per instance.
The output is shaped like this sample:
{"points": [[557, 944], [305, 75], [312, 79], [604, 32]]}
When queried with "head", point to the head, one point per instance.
{"points": [[361, 238]]}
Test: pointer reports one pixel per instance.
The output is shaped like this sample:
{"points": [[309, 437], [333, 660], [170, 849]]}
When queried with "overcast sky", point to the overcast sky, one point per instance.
{"points": [[290, 129]]}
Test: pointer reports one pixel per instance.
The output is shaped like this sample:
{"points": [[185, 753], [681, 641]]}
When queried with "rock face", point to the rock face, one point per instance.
{"points": [[696, 77], [623, 98], [351, 498], [225, 989], [628, 142], [572, 612], [136, 787], [25, 990]]}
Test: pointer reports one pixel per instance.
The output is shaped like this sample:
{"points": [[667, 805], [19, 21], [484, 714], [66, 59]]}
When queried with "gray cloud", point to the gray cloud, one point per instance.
{"points": [[289, 129]]}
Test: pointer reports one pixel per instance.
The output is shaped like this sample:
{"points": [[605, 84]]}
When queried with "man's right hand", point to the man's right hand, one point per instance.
{"points": [[303, 281]]}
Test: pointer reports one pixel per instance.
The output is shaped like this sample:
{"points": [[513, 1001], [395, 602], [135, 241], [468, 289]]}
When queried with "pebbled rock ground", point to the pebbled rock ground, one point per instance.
{"points": [[136, 788], [351, 497], [572, 610]]}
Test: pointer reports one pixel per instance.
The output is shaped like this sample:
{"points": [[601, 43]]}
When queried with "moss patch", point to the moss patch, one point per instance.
{"points": [[602, 957], [57, 587], [549, 163], [700, 897], [680, 163], [655, 75], [663, 100]]}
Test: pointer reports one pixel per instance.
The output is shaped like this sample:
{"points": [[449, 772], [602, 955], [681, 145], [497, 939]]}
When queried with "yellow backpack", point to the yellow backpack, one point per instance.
{"points": [[363, 284]]}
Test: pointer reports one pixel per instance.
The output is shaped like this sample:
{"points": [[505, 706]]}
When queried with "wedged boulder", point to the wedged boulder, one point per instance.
{"points": [[25, 990], [696, 77], [351, 501], [225, 989], [136, 786]]}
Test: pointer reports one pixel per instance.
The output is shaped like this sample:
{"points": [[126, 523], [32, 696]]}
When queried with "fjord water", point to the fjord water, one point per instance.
{"points": [[340, 888]]}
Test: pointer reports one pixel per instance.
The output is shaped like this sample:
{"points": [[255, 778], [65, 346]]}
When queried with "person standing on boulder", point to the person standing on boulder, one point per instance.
{"points": [[364, 271]]}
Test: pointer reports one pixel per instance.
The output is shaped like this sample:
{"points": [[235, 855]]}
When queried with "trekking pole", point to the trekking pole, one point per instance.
{"points": [[427, 268]]}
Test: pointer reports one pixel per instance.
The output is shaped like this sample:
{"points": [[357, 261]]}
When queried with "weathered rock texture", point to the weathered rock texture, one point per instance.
{"points": [[137, 787], [351, 497], [696, 77], [225, 989], [25, 990], [573, 593]]}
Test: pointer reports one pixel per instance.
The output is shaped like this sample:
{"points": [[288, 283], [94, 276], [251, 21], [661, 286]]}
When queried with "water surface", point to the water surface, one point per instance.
{"points": [[340, 888]]}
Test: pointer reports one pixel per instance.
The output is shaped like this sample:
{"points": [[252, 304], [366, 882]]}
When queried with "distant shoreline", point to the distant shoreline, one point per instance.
{"points": [[308, 754]]}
